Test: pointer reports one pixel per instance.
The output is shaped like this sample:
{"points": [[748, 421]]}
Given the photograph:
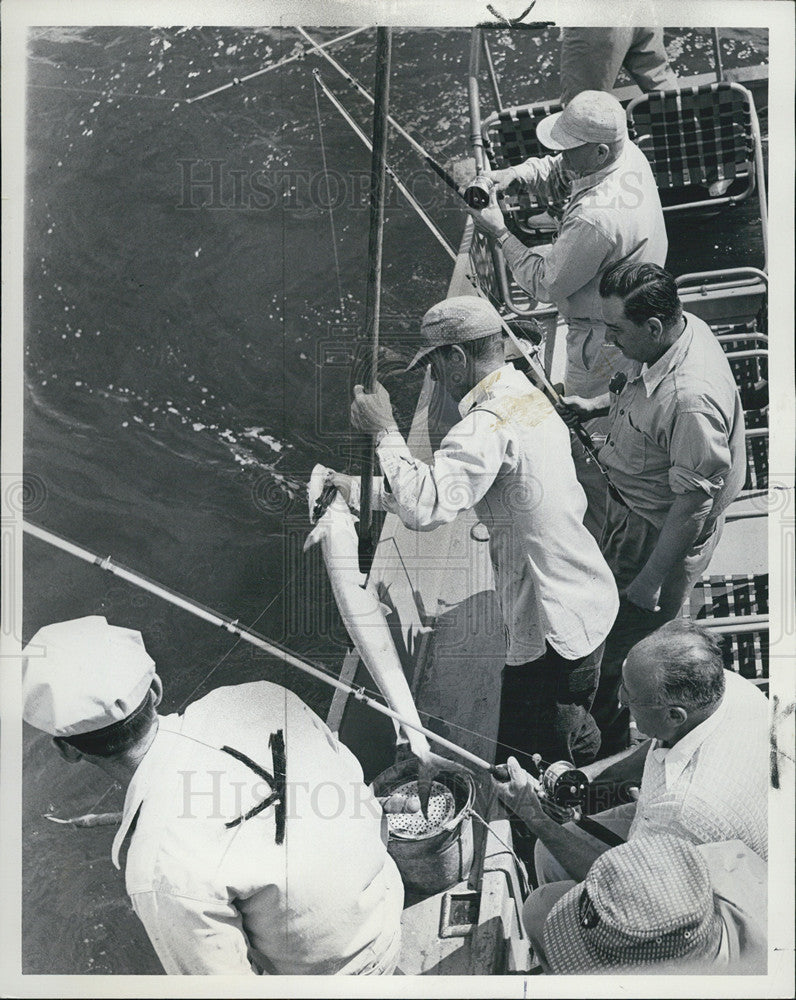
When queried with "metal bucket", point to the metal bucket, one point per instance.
{"points": [[435, 853]]}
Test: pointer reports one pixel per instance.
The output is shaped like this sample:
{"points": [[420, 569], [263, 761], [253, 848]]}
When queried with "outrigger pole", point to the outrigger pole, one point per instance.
{"points": [[378, 183], [248, 635]]}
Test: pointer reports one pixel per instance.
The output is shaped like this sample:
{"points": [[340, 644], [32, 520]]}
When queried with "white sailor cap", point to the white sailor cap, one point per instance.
{"points": [[83, 675]]}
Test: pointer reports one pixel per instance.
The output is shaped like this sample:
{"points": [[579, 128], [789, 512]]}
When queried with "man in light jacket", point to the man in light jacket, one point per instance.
{"points": [[612, 212]]}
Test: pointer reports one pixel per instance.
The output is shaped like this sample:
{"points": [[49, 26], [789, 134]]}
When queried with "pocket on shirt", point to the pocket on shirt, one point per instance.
{"points": [[631, 446]]}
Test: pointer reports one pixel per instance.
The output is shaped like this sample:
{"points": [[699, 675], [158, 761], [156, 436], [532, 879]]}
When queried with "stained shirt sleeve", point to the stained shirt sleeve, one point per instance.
{"points": [[553, 273], [699, 452], [194, 937], [465, 466]]}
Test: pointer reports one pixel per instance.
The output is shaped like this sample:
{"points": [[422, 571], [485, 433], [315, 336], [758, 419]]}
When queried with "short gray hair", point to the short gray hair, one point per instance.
{"points": [[688, 663]]}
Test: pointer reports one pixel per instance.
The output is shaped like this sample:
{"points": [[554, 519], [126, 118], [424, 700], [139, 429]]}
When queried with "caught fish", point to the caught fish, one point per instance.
{"points": [[88, 819], [363, 614]]}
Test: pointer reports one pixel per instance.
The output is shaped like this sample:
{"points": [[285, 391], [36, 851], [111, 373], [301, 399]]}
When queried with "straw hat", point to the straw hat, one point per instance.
{"points": [[643, 903], [83, 675], [456, 320], [591, 116]]}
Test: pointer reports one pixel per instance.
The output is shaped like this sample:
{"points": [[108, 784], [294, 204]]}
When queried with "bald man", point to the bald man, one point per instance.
{"points": [[703, 772]]}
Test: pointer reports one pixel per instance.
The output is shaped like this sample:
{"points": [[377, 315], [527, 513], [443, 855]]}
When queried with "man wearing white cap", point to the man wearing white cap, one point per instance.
{"points": [[613, 212], [508, 457], [253, 846]]}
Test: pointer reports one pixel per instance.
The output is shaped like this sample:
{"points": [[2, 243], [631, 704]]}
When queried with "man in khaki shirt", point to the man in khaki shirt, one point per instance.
{"points": [[676, 453]]}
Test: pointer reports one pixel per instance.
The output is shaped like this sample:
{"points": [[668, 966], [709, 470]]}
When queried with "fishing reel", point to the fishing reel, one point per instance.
{"points": [[560, 784], [478, 192]]}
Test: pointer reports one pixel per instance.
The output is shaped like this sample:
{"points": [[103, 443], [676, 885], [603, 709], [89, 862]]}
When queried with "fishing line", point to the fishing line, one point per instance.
{"points": [[328, 197], [237, 642], [521, 871], [369, 97], [391, 173], [538, 378]]}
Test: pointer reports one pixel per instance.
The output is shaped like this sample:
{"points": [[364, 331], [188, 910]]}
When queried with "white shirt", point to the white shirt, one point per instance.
{"points": [[230, 899], [509, 457], [712, 785]]}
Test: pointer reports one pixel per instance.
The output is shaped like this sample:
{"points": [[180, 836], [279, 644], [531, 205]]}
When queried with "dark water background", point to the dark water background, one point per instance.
{"points": [[186, 365]]}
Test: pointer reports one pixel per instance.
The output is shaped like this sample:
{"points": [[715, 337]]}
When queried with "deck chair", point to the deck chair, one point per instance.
{"points": [[728, 300], [736, 607], [750, 371], [487, 263], [756, 453], [703, 144]]}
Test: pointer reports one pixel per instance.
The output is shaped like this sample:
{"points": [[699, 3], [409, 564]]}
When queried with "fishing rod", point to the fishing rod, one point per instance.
{"points": [[237, 81], [435, 166], [492, 75], [535, 373], [274, 649], [425, 218], [378, 184], [478, 196]]}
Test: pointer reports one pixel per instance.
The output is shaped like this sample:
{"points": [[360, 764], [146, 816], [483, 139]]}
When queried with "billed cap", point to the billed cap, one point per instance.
{"points": [[591, 116], [456, 320], [83, 675]]}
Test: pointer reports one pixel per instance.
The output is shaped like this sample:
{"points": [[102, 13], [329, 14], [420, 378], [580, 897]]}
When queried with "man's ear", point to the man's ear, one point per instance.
{"points": [[457, 360], [677, 715], [655, 328], [156, 687], [458, 356], [66, 750]]}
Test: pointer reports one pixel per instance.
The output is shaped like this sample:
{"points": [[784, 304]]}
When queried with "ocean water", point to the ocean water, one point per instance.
{"points": [[193, 313]]}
